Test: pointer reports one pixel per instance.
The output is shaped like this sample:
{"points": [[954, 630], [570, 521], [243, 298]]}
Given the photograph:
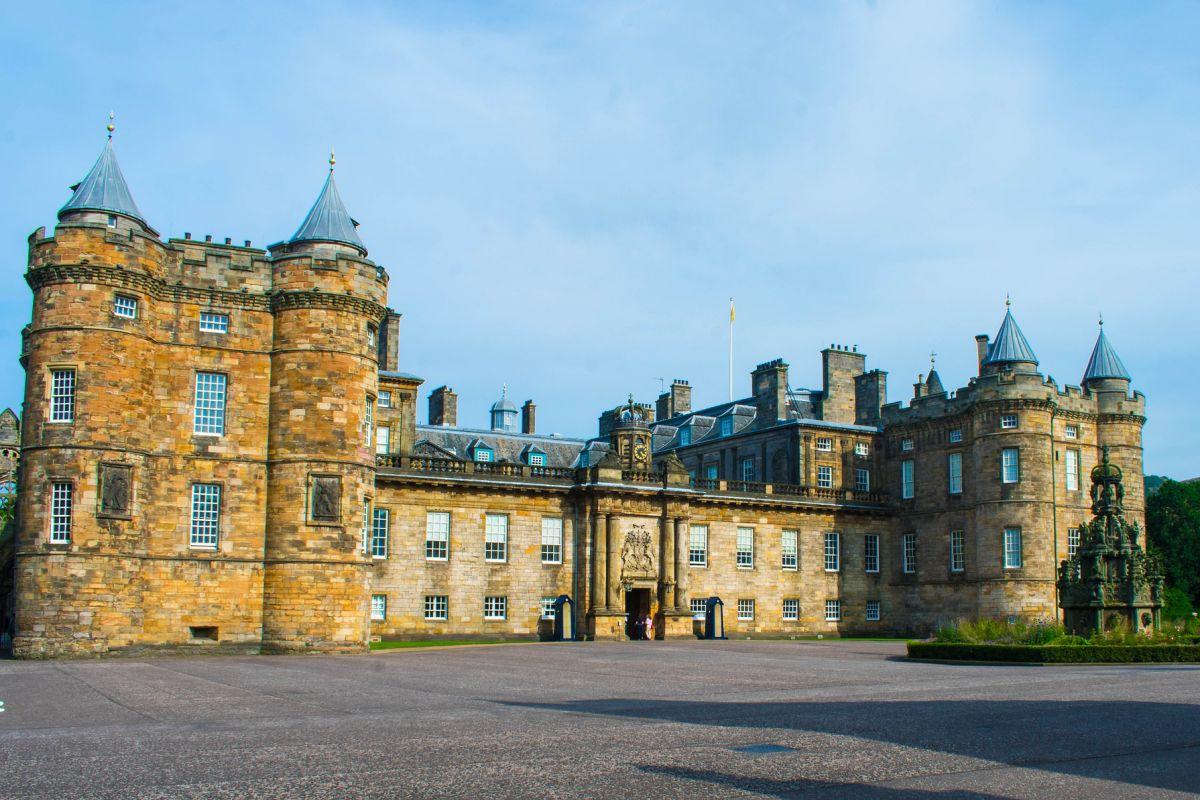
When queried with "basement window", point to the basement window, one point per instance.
{"points": [[207, 633]]}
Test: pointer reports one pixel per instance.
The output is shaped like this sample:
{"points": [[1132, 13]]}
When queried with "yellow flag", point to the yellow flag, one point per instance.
{"points": [[732, 313]]}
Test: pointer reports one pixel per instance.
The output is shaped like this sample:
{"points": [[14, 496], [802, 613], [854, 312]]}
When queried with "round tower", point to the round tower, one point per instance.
{"points": [[328, 302], [88, 415]]}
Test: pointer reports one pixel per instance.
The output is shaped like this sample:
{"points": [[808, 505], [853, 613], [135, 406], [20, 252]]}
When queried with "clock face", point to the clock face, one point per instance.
{"points": [[639, 451]]}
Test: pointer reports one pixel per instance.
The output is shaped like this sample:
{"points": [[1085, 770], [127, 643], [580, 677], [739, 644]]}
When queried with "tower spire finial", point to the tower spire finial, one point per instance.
{"points": [[1101, 319], [1007, 300], [932, 358], [332, 159], [111, 127]]}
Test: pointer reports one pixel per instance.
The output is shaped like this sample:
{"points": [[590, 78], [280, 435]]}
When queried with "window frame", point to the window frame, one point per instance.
{"points": [[958, 551], [383, 439], [61, 490], [1010, 535], [745, 609], [955, 435], [214, 490], [824, 476], [1009, 422], [871, 553], [129, 310], [702, 532], [63, 395], [872, 612], [824, 444], [1074, 541], [833, 610], [725, 426], [557, 547], [789, 549], [833, 555], [437, 607], [954, 473], [685, 435], [862, 449], [907, 445], [908, 554], [1014, 466], [494, 602], [862, 479], [213, 322], [380, 534], [794, 614], [381, 615], [908, 479], [744, 556], [208, 419], [1072, 458], [747, 467], [433, 544], [490, 544], [1071, 431], [546, 610], [383, 399]]}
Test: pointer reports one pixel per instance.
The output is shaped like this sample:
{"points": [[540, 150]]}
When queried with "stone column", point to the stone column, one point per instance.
{"points": [[614, 564], [666, 562], [681, 554], [599, 564]]}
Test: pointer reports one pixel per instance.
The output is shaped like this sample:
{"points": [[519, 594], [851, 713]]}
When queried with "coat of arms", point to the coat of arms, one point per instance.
{"points": [[636, 556]]}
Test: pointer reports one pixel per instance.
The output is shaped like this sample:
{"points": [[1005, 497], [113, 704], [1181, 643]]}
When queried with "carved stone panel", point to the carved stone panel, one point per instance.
{"points": [[637, 553], [116, 491], [325, 498]]}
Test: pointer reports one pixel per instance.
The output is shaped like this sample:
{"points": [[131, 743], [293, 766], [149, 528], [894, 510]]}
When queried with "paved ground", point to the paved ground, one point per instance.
{"points": [[637, 719]]}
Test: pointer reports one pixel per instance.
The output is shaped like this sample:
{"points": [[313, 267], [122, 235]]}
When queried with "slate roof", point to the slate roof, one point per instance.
{"points": [[1104, 363], [103, 189], [933, 383], [328, 220], [509, 447], [1010, 344]]}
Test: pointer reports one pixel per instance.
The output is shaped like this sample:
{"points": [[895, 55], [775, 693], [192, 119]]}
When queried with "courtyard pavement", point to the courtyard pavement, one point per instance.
{"points": [[636, 719]]}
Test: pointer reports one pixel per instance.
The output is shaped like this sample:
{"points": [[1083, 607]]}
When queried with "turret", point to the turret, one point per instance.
{"points": [[504, 413], [1105, 372], [328, 303], [1010, 351]]}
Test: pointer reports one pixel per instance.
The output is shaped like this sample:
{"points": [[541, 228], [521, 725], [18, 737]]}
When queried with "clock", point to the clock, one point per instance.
{"points": [[639, 451]]}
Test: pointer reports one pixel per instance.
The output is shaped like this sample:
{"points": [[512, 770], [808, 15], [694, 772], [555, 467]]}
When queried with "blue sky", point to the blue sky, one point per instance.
{"points": [[566, 194]]}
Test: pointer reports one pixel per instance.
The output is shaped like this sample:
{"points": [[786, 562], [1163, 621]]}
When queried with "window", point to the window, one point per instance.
{"points": [[698, 546], [378, 607], [437, 606], [1008, 421], [385, 399], [62, 395], [537, 459], [748, 470], [546, 608], [862, 449], [824, 444], [726, 426], [437, 535], [552, 540], [383, 440], [125, 306], [791, 609], [745, 610], [685, 435], [824, 477], [482, 453], [209, 414], [957, 548], [954, 473], [711, 471], [368, 419], [214, 323], [862, 480], [372, 336], [871, 552], [495, 539], [1072, 470], [907, 487], [789, 548], [1073, 539], [955, 435], [1012, 548], [833, 552], [833, 610], [698, 607], [380, 522], [906, 445], [495, 607], [745, 548], [112, 220], [908, 553], [61, 499], [365, 534], [1072, 432], [1010, 465], [872, 611], [206, 515]]}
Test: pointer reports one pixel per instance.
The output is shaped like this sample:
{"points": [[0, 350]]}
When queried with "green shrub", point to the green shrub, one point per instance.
{"points": [[1177, 605], [1055, 654]]}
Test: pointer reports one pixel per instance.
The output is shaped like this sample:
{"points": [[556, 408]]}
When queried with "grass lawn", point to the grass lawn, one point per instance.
{"points": [[431, 643]]}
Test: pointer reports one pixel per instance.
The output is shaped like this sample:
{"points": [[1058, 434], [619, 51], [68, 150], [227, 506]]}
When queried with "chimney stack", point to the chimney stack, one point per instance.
{"points": [[443, 407], [528, 417], [674, 402], [981, 349]]}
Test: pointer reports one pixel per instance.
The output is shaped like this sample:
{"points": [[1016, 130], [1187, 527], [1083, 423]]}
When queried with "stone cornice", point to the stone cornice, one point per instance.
{"points": [[107, 275], [315, 299]]}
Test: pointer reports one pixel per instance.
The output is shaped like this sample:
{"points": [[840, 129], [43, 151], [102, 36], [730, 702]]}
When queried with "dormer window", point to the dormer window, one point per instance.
{"points": [[112, 220], [726, 426], [483, 454], [537, 460], [685, 435]]}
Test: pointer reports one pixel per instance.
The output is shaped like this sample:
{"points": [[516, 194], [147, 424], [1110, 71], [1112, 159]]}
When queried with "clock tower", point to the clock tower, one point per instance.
{"points": [[630, 436]]}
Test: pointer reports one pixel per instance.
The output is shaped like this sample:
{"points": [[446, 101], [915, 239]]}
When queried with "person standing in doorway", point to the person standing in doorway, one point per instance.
{"points": [[649, 627]]}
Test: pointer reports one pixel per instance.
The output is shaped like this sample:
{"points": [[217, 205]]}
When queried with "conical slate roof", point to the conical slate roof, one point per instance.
{"points": [[933, 383], [328, 220], [1104, 363], [1010, 344], [104, 189]]}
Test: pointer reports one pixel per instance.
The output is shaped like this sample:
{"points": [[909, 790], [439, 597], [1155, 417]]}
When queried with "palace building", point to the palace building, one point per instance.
{"points": [[220, 449]]}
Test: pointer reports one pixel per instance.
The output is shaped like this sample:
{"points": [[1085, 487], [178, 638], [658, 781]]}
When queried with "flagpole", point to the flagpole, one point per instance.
{"points": [[731, 318]]}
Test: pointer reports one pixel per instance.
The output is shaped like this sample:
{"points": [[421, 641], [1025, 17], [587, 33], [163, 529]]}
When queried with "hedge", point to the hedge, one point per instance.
{"points": [[1062, 654]]}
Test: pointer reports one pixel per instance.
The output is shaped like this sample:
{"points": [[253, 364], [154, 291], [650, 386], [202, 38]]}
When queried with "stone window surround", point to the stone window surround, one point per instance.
{"points": [[52, 482], [495, 607], [908, 554], [1005, 551], [214, 322], [871, 614], [224, 410], [503, 544], [744, 555], [221, 515], [958, 551], [698, 533], [559, 544], [833, 551], [437, 607], [745, 609], [382, 606], [72, 394], [125, 306], [380, 553], [871, 554], [791, 609], [444, 542], [833, 610], [789, 545]]}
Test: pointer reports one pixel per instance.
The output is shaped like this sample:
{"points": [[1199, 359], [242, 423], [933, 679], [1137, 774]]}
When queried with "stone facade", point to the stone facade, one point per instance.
{"points": [[333, 517]]}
